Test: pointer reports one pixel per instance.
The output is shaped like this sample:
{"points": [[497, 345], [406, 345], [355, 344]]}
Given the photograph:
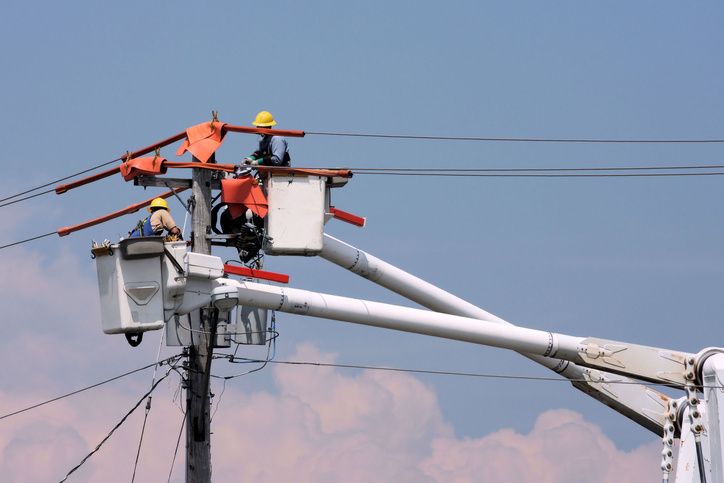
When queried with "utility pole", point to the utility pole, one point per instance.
{"points": [[198, 421]]}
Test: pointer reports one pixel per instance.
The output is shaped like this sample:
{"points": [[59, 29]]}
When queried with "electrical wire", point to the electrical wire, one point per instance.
{"points": [[447, 373], [514, 173], [505, 170], [72, 393], [271, 350], [27, 240], [517, 175], [218, 401], [178, 441], [514, 139], [27, 197], [118, 425], [148, 409], [55, 181]]}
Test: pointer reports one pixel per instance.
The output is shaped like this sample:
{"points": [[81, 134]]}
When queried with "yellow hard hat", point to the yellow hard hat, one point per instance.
{"points": [[264, 119], [158, 203]]}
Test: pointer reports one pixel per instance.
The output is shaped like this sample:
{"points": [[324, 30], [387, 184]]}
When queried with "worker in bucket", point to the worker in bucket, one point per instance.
{"points": [[159, 220], [273, 150]]}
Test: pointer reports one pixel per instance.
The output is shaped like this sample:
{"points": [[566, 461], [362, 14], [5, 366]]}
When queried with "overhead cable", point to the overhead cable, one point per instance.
{"points": [[35, 195], [148, 409], [539, 175], [421, 172], [92, 386], [54, 182], [27, 240], [113, 430], [515, 170], [516, 139], [444, 373], [178, 440]]}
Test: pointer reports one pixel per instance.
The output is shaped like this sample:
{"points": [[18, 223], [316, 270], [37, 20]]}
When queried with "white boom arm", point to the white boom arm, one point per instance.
{"points": [[144, 283], [640, 361], [629, 359], [642, 404]]}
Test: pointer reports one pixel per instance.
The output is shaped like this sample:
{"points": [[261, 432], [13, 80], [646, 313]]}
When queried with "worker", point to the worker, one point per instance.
{"points": [[159, 220], [273, 150]]}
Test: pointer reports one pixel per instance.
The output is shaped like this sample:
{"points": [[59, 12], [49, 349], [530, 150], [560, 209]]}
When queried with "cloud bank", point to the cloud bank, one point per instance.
{"points": [[320, 425], [315, 425]]}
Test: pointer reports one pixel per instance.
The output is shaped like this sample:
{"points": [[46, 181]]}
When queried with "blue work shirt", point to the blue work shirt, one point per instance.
{"points": [[276, 146]]}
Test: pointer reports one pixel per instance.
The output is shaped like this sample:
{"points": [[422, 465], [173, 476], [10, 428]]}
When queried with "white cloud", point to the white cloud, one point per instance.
{"points": [[322, 425], [319, 424], [562, 447], [328, 426]]}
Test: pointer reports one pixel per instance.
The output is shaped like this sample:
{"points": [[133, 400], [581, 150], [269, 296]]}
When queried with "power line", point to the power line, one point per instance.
{"points": [[118, 425], [448, 373], [56, 181], [26, 197], [72, 393], [515, 170], [520, 175], [510, 173], [515, 139], [422, 172], [27, 240], [148, 409], [424, 137], [178, 440]]}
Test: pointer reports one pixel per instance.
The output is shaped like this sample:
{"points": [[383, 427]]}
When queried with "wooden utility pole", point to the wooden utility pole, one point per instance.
{"points": [[198, 421]]}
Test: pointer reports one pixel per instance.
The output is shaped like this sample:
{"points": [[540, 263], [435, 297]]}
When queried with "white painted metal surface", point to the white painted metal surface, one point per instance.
{"points": [[642, 404], [174, 282], [201, 266], [687, 469], [303, 302], [135, 292], [295, 222], [130, 291], [713, 379]]}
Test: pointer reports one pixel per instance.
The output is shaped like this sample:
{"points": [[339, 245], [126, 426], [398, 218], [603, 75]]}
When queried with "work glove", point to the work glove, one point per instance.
{"points": [[251, 161]]}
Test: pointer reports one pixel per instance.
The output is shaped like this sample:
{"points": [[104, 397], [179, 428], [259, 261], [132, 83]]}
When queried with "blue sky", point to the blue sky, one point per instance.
{"points": [[632, 259]]}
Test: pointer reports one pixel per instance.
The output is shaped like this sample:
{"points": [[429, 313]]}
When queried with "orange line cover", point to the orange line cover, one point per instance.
{"points": [[242, 193], [202, 140], [138, 166], [67, 230], [250, 272]]}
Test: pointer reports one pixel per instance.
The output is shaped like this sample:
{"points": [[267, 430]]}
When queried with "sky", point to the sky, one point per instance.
{"points": [[634, 259]]}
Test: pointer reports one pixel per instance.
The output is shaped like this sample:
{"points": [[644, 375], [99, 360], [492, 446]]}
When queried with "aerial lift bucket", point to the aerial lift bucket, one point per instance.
{"points": [[138, 279]]}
